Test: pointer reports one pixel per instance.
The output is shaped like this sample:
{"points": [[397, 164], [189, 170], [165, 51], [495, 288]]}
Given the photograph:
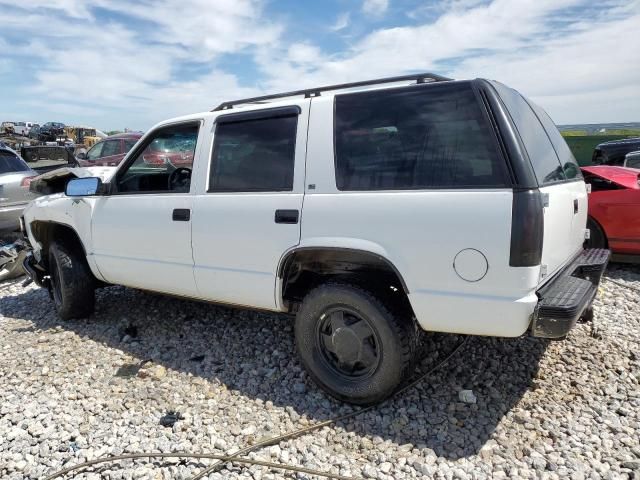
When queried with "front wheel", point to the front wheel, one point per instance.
{"points": [[72, 283], [352, 345]]}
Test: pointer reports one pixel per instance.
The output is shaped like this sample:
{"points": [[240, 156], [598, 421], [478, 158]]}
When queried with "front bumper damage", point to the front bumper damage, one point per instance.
{"points": [[20, 252], [567, 296]]}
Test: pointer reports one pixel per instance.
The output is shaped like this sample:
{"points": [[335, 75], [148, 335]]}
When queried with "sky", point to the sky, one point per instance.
{"points": [[113, 64]]}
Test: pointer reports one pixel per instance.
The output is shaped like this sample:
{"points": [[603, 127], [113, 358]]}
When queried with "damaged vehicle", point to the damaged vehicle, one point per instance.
{"points": [[372, 211]]}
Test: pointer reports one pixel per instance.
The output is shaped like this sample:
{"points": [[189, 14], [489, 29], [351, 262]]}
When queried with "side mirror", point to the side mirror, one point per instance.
{"points": [[82, 155], [83, 187]]}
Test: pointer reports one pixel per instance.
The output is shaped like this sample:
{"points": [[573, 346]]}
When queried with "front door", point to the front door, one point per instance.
{"points": [[142, 230], [248, 212]]}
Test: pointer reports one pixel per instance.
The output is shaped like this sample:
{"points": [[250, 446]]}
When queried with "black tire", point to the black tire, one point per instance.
{"points": [[597, 237], [391, 343], [72, 283]]}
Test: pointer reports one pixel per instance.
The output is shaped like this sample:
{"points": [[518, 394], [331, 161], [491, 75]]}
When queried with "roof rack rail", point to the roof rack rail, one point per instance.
{"points": [[315, 92]]}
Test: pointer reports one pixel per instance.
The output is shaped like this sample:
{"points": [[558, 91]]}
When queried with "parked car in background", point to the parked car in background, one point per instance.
{"points": [[614, 151], [21, 128], [632, 159], [34, 131], [614, 208], [50, 131], [7, 128], [15, 176], [110, 151]]}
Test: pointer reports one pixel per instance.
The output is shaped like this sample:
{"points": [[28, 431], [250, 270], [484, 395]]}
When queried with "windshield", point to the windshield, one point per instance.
{"points": [[11, 163]]}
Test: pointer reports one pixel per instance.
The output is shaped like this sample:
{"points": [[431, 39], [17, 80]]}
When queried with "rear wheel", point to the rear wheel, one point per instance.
{"points": [[597, 237], [352, 345], [72, 283]]}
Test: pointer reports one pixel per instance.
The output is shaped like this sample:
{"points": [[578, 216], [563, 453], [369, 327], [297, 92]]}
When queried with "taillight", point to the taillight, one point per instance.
{"points": [[26, 181], [527, 228]]}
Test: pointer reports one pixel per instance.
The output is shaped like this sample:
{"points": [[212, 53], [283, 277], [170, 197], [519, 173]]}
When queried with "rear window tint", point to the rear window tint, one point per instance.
{"points": [[429, 136], [10, 163], [254, 155], [544, 160], [567, 160]]}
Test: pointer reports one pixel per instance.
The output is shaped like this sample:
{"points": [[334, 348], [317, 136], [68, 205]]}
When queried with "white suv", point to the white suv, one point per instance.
{"points": [[370, 210]]}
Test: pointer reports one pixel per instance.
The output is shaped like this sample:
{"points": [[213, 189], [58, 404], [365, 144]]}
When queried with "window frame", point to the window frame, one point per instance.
{"points": [[486, 115], [132, 156], [253, 115]]}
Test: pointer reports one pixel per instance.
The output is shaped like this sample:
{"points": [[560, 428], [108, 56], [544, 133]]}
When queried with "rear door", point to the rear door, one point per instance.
{"points": [[559, 178], [248, 212]]}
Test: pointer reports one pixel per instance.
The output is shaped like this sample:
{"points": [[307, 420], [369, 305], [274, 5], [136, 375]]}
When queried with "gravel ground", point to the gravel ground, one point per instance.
{"points": [[73, 391]]}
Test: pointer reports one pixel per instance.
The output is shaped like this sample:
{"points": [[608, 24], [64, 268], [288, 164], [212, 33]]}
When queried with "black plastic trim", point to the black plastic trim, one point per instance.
{"points": [[315, 92], [289, 217], [568, 295], [278, 112], [285, 260], [516, 154]]}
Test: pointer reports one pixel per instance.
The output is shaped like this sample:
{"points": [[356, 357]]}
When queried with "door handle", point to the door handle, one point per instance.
{"points": [[575, 206], [287, 216], [181, 215]]}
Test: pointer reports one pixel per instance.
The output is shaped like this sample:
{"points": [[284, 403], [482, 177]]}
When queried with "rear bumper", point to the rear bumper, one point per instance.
{"points": [[564, 299]]}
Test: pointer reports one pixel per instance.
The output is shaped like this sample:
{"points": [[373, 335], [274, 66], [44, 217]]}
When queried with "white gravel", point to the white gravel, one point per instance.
{"points": [[70, 392]]}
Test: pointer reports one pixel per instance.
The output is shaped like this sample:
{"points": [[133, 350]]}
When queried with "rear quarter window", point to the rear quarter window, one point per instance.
{"points": [[567, 160], [537, 143], [419, 137]]}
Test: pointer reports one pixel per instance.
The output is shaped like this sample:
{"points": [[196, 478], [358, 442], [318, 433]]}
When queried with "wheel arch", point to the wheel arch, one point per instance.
{"points": [[45, 231], [602, 229], [321, 262]]}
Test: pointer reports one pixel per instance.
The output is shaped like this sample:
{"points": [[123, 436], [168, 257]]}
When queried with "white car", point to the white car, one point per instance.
{"points": [[371, 211], [21, 128]]}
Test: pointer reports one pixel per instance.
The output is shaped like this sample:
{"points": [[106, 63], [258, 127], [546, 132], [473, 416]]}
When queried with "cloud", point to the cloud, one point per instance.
{"points": [[342, 21], [375, 8], [113, 63], [550, 52]]}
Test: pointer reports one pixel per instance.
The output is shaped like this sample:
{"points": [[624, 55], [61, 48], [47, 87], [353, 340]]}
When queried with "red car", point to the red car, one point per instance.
{"points": [[110, 151], [614, 208]]}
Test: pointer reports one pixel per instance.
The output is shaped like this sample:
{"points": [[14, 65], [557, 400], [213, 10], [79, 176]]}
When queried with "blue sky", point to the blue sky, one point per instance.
{"points": [[118, 63]]}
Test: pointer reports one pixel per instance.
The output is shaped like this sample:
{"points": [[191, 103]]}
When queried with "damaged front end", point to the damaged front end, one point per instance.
{"points": [[56, 180], [17, 258]]}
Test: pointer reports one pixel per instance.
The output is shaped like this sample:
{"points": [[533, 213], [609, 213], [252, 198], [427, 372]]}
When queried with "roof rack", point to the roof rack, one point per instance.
{"points": [[315, 92]]}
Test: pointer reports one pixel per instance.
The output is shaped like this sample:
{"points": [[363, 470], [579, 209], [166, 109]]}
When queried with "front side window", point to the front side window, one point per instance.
{"points": [[95, 152], [163, 163], [428, 136], [111, 147], [255, 155], [544, 160]]}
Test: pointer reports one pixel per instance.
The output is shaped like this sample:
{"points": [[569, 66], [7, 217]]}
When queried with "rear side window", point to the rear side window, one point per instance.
{"points": [[255, 155], [567, 160], [544, 160], [10, 163], [428, 136]]}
